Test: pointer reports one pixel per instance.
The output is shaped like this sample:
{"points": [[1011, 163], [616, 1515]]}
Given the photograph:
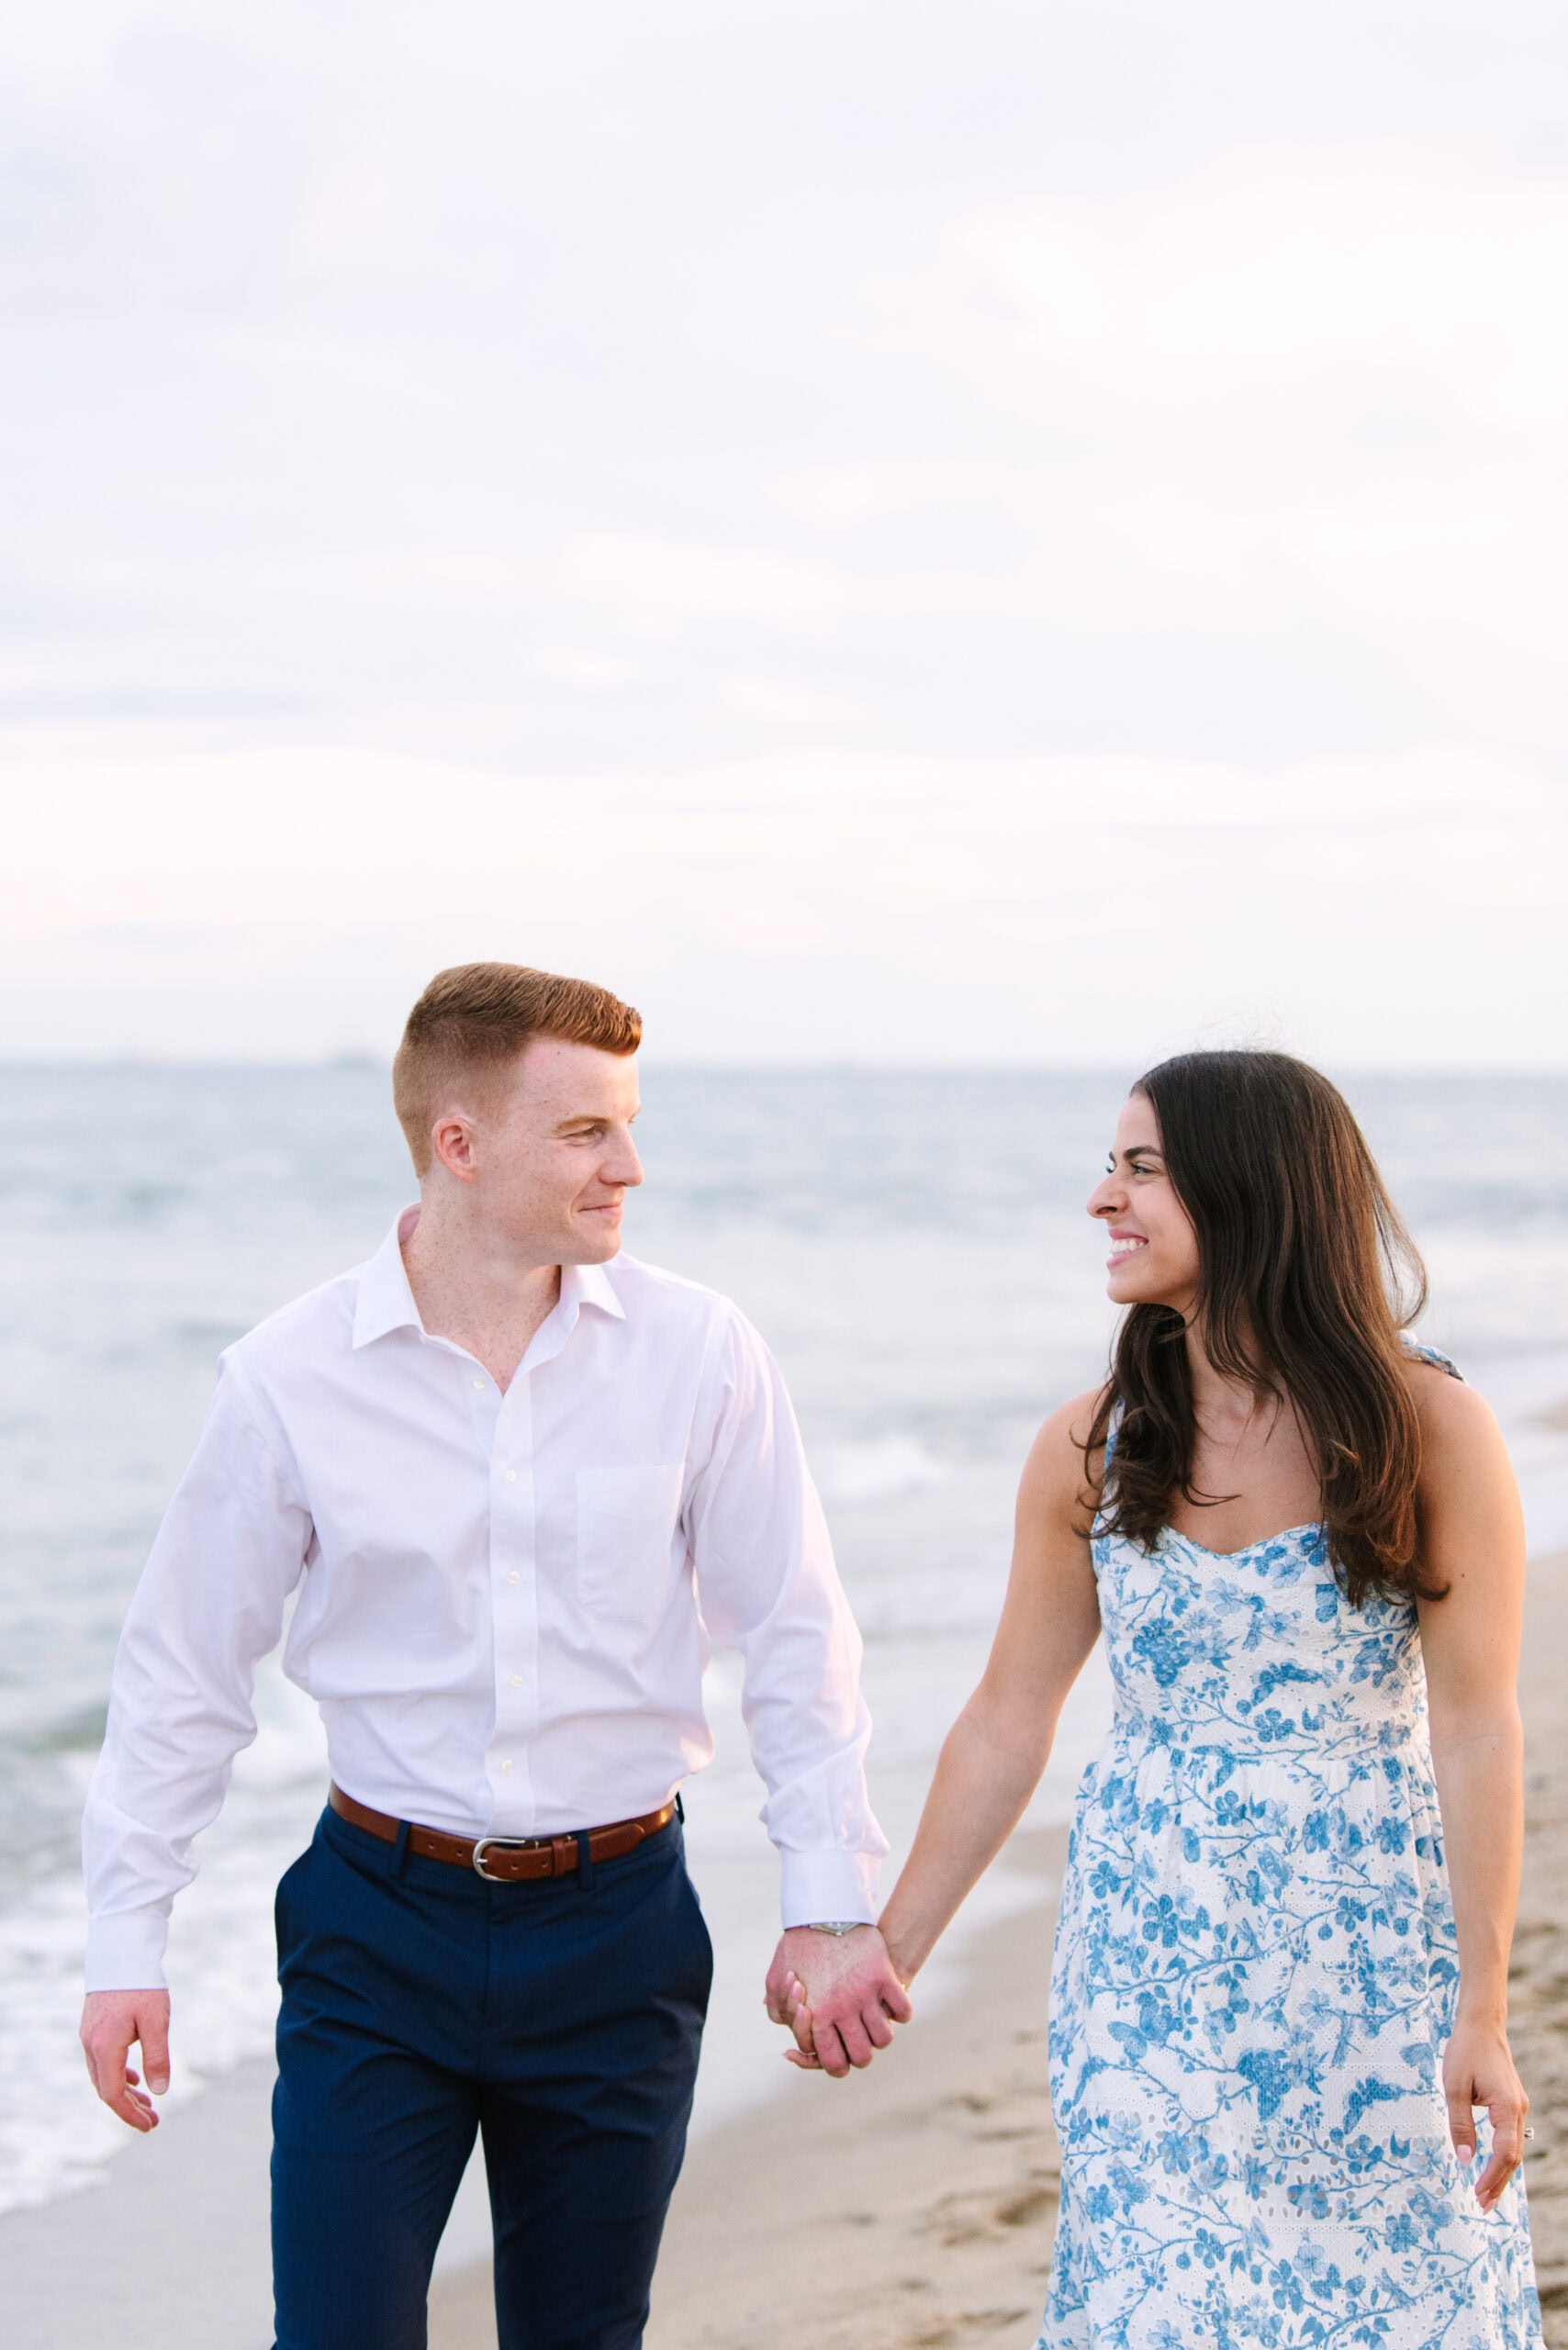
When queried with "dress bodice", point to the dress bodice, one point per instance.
{"points": [[1256, 1651]]}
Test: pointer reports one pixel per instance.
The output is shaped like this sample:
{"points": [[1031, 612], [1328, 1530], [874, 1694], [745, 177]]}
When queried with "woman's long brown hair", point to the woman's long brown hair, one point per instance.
{"points": [[1306, 1275]]}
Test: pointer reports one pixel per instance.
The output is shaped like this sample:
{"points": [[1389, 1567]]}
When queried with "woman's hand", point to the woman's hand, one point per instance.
{"points": [[1478, 2069]]}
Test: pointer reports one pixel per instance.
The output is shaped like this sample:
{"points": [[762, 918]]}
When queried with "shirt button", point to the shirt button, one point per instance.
{"points": [[511, 1476], [516, 1681], [507, 1763], [478, 1382], [512, 1577]]}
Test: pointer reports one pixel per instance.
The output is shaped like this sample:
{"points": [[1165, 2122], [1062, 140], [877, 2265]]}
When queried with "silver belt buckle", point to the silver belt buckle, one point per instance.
{"points": [[509, 1843]]}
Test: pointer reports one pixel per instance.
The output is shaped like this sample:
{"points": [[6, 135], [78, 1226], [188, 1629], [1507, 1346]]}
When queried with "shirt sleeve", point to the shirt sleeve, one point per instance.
{"points": [[209, 1604], [768, 1588]]}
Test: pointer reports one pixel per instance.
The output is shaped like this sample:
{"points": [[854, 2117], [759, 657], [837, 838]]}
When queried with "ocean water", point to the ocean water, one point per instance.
{"points": [[914, 1247]]}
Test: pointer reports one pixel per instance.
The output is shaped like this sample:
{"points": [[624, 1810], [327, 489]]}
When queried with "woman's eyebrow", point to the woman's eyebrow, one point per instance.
{"points": [[1139, 1150]]}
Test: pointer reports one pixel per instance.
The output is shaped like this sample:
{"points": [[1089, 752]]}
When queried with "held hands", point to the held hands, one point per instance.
{"points": [[1479, 2070], [111, 2022], [839, 1994]]}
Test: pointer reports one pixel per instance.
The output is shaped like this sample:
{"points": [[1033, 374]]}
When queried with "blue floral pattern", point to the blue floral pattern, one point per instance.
{"points": [[1256, 1969]]}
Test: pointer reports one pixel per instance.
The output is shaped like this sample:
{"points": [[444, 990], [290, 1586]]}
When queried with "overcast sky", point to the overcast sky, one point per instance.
{"points": [[892, 532]]}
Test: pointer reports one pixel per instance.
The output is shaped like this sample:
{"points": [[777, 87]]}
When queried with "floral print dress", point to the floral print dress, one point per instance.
{"points": [[1256, 1970]]}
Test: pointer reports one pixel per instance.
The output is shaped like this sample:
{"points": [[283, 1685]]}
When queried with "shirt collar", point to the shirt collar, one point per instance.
{"points": [[387, 1303], [591, 1285]]}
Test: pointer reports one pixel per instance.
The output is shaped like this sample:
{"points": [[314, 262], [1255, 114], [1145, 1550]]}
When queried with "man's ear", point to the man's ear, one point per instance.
{"points": [[452, 1140]]}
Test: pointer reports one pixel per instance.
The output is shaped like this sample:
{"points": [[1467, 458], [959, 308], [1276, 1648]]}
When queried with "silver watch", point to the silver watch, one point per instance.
{"points": [[834, 1925]]}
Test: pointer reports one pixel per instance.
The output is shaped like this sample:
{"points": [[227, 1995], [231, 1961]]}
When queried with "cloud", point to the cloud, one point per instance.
{"points": [[871, 508]]}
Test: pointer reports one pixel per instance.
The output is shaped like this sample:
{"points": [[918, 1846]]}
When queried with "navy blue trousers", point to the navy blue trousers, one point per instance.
{"points": [[421, 2004]]}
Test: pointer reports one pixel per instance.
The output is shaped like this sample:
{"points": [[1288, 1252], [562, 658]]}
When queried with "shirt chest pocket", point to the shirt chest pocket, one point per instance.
{"points": [[626, 1524]]}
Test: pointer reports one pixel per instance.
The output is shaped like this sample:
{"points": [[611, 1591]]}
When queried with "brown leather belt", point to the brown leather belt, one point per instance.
{"points": [[505, 1859]]}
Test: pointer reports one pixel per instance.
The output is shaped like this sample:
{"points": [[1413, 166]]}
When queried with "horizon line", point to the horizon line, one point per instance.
{"points": [[351, 1059]]}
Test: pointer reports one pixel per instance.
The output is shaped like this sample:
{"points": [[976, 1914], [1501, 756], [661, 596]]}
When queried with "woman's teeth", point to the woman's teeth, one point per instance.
{"points": [[1124, 1247]]}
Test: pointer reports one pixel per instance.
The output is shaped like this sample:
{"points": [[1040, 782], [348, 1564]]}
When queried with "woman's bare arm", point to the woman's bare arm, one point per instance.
{"points": [[995, 1752], [1473, 1540]]}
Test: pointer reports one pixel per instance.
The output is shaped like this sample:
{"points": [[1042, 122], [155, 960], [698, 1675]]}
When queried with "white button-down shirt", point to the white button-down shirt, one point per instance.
{"points": [[504, 1600]]}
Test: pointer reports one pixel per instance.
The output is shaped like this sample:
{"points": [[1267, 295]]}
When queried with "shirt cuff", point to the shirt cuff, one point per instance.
{"points": [[829, 1889], [125, 1952]]}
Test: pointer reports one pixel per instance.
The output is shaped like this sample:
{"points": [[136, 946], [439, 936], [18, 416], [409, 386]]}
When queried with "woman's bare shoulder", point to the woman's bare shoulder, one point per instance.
{"points": [[1461, 1445], [1447, 1407], [1472, 1523], [1057, 1471]]}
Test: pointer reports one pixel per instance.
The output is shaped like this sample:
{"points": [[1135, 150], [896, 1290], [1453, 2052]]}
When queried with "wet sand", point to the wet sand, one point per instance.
{"points": [[1537, 1990], [911, 2204]]}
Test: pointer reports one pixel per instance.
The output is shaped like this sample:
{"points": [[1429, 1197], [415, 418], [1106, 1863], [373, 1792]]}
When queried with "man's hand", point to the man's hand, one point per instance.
{"points": [[111, 2022], [838, 1994]]}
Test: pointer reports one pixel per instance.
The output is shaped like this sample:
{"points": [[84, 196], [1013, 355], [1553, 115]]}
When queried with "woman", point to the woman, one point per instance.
{"points": [[1281, 1978]]}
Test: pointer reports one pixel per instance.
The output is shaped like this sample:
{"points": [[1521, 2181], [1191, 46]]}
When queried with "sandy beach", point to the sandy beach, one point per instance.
{"points": [[908, 2209], [911, 2208], [1538, 1985]]}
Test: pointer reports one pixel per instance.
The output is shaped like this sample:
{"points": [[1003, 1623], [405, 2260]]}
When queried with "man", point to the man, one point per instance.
{"points": [[503, 1465]]}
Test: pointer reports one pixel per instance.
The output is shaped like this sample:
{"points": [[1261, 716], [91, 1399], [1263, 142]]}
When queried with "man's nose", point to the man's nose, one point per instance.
{"points": [[625, 1167]]}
